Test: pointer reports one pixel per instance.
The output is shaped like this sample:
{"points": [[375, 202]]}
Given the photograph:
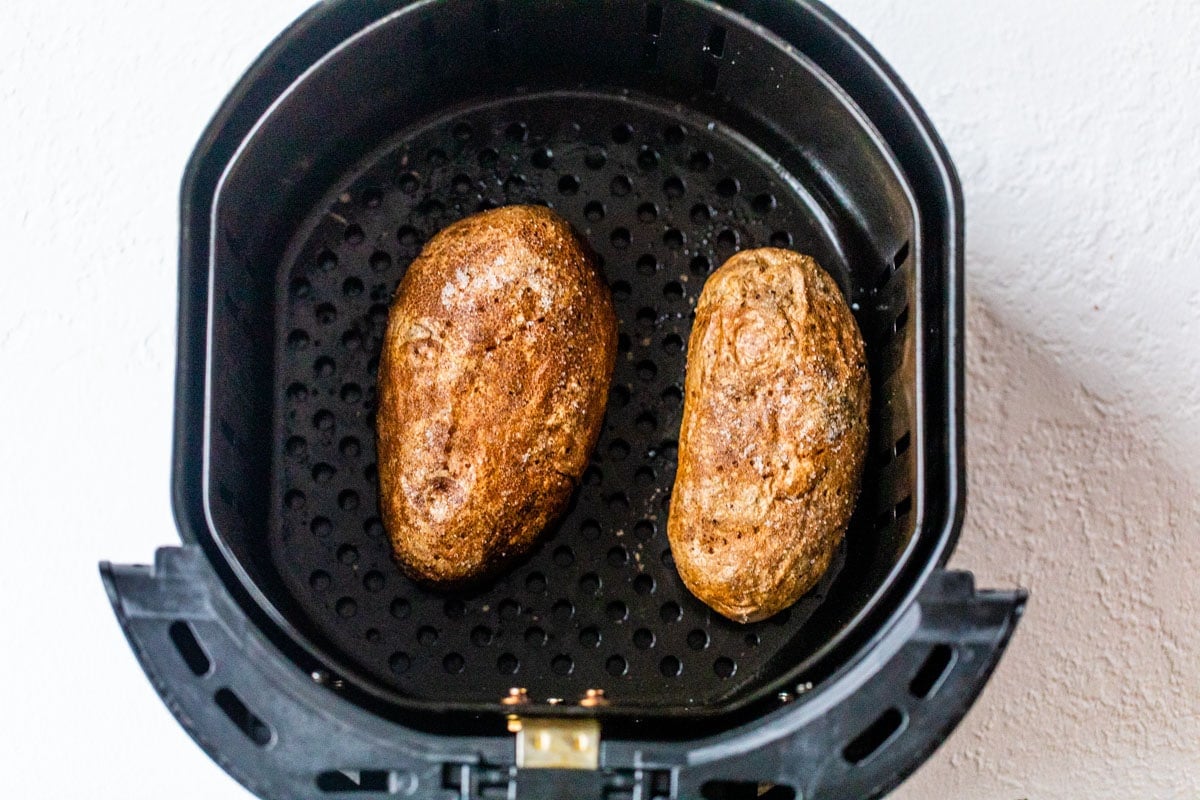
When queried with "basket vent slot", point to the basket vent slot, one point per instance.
{"points": [[874, 736], [189, 648], [246, 720], [353, 780], [935, 667], [746, 790]]}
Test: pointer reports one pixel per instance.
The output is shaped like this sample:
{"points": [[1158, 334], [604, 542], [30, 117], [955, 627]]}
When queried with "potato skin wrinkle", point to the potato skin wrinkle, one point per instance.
{"points": [[496, 364], [774, 434]]}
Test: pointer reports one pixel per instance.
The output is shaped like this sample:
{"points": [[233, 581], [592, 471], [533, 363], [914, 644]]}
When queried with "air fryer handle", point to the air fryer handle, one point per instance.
{"points": [[866, 730]]}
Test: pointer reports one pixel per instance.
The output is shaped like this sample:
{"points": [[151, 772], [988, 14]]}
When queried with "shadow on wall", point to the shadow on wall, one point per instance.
{"points": [[1077, 500]]}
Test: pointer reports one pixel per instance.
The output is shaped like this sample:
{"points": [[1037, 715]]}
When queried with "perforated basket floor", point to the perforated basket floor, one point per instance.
{"points": [[664, 198]]}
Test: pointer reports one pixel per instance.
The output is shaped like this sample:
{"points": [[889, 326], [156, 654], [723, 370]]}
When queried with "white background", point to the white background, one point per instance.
{"points": [[1076, 128]]}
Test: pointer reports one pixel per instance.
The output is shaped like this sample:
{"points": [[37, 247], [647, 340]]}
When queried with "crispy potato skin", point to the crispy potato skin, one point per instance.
{"points": [[495, 370], [774, 434]]}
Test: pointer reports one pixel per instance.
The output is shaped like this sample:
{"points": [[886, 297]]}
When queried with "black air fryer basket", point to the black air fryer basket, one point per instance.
{"points": [[671, 134]]}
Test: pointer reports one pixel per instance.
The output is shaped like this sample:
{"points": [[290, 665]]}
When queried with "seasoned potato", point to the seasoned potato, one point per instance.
{"points": [[774, 434], [495, 369]]}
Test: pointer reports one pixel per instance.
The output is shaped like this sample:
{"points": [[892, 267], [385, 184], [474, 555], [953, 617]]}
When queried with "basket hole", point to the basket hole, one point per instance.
{"points": [[654, 18], [399, 662], [709, 72], [669, 561], [326, 314], [618, 450], [673, 238], [673, 342], [673, 187], [323, 473], [644, 476], [751, 640], [353, 287], [596, 159], [353, 234], [622, 133], [617, 556], [373, 581], [347, 554], [296, 446], [873, 737], [650, 54], [299, 288], [714, 45], [932, 670], [672, 395], [619, 238], [327, 261], [454, 663], [746, 790], [643, 638], [670, 667], [373, 527], [535, 636], [616, 666], [727, 240], [563, 610], [763, 203], [647, 264], [562, 665], [617, 611], [590, 584], [647, 212], [320, 580], [409, 182], [568, 185], [728, 187], [594, 211], [645, 422], [590, 636], [697, 639], [700, 213], [240, 715], [346, 607], [621, 290], [517, 132], [298, 339], [481, 636], [189, 648], [781, 239], [647, 158], [294, 500], [297, 392], [700, 160], [348, 500], [321, 527], [400, 608], [700, 265], [673, 290], [620, 186], [724, 667], [643, 584], [901, 320], [670, 611], [353, 781], [590, 530], [646, 370], [408, 236]]}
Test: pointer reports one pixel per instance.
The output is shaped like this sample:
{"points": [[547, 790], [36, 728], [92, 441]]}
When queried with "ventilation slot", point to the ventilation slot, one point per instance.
{"points": [[902, 444], [876, 735], [901, 320], [715, 44], [189, 649], [746, 790], [354, 780], [936, 665], [255, 729], [654, 18]]}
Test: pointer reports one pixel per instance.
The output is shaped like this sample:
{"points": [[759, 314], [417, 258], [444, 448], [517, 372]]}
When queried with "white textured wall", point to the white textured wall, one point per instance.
{"points": [[1076, 127]]}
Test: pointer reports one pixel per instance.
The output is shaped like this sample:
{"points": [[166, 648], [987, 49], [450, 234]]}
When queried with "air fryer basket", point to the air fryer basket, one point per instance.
{"points": [[670, 135]]}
